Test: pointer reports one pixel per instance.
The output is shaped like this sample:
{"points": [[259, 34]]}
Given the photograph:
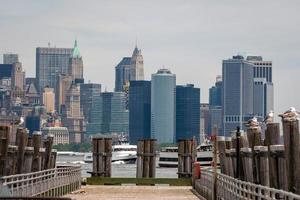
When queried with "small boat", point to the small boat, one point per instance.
{"points": [[69, 153], [168, 157], [123, 153]]}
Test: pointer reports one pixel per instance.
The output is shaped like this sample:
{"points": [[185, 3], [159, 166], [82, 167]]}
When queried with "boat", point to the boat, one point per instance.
{"points": [[122, 153], [168, 157], [69, 153]]}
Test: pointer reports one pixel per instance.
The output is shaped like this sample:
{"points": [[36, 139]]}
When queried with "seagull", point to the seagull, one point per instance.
{"points": [[19, 122], [269, 117], [252, 123], [290, 115]]}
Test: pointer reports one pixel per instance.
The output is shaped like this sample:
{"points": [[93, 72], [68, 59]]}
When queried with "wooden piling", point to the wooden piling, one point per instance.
{"points": [[146, 158], [43, 157], [254, 137], [152, 164], [291, 146], [48, 147], [263, 166], [28, 157], [108, 156], [221, 148], [180, 158], [11, 161], [272, 134], [247, 159], [233, 161], [53, 158], [278, 174], [95, 155], [188, 156], [4, 142], [36, 161], [101, 159], [228, 143], [139, 161], [21, 142], [229, 163]]}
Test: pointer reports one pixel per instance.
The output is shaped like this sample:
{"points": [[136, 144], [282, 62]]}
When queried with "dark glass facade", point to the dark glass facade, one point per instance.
{"points": [[215, 94], [6, 70], [139, 110], [187, 112], [122, 76], [33, 123]]}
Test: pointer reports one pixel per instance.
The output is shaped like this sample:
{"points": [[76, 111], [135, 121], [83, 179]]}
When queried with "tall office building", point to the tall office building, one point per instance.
{"points": [[49, 99], [62, 87], [139, 111], [76, 65], [187, 112], [215, 106], [88, 95], [122, 74], [10, 58], [50, 62], [204, 120], [137, 65], [109, 114], [238, 84], [163, 106], [72, 116], [263, 86]]}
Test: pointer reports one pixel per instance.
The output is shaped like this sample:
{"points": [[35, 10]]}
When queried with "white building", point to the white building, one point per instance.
{"points": [[163, 106], [61, 134]]}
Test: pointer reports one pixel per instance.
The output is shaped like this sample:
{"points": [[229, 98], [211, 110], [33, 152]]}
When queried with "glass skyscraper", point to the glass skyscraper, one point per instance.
{"points": [[122, 76], [163, 106], [238, 82], [215, 106], [139, 111], [187, 112], [109, 114]]}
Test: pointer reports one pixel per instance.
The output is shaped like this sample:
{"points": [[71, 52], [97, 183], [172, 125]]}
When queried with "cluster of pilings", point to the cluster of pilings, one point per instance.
{"points": [[28, 154], [267, 162], [102, 156], [187, 155]]}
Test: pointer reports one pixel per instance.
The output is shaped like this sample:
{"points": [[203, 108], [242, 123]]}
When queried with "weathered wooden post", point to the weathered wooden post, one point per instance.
{"points": [[4, 141], [246, 155], [95, 156], [48, 146], [291, 147], [221, 148], [180, 158], [21, 142], [254, 139], [262, 165], [36, 161], [139, 161], [233, 161], [43, 157], [28, 157], [30, 141], [278, 173], [11, 160], [108, 156], [228, 162], [146, 158], [152, 163], [53, 158]]}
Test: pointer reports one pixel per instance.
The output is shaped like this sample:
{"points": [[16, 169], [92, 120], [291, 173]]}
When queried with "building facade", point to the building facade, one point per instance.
{"points": [[163, 106], [122, 74], [89, 93], [50, 62], [139, 111], [109, 114], [215, 106], [48, 99], [187, 112], [60, 134], [10, 58], [76, 65], [137, 65], [238, 84], [64, 82]]}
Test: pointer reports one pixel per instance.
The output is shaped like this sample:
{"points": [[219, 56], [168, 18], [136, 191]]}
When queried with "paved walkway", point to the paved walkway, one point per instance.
{"points": [[92, 192]]}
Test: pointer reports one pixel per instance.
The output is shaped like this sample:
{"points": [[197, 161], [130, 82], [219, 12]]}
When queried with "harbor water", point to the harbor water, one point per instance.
{"points": [[118, 170]]}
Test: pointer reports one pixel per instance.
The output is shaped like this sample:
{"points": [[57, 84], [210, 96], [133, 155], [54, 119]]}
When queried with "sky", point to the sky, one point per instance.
{"points": [[191, 38]]}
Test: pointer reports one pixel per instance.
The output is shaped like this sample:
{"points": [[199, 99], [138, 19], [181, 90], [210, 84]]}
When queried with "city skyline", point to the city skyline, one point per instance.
{"points": [[165, 39]]}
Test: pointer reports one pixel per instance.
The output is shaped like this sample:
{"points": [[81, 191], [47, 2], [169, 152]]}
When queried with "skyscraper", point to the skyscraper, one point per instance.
{"points": [[122, 74], [88, 95], [137, 65], [187, 112], [62, 87], [263, 86], [50, 62], [139, 111], [215, 106], [204, 120], [238, 82], [49, 99], [109, 114], [76, 65], [163, 106], [10, 58]]}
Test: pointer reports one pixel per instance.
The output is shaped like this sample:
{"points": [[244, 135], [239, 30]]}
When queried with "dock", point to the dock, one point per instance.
{"points": [[95, 192]]}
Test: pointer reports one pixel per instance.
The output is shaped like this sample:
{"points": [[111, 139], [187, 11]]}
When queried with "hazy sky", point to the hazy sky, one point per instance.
{"points": [[189, 37]]}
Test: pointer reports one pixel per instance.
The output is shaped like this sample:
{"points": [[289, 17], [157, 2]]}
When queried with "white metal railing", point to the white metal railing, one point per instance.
{"points": [[51, 182], [229, 188]]}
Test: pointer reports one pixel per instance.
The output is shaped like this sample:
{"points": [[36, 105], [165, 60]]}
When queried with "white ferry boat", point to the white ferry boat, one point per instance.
{"points": [[123, 153], [69, 153], [168, 157]]}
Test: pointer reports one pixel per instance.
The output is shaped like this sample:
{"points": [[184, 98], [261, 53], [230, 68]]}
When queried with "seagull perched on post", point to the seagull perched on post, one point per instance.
{"points": [[19, 122], [269, 117], [290, 115], [252, 123]]}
